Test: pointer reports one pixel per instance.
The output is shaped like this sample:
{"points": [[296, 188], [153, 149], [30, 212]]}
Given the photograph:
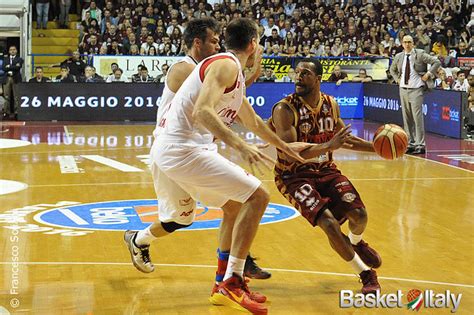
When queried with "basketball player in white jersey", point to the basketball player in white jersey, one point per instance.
{"points": [[186, 162], [202, 40]]}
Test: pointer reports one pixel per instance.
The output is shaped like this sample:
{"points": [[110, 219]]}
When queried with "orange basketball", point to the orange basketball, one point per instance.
{"points": [[390, 141]]}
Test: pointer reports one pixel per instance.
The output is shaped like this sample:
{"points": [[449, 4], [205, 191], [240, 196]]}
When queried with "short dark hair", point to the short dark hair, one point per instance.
{"points": [[144, 68], [197, 28], [65, 67], [38, 68], [240, 32], [315, 65], [118, 69]]}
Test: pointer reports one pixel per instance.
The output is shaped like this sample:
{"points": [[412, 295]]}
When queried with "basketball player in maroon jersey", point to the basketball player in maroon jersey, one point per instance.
{"points": [[324, 196]]}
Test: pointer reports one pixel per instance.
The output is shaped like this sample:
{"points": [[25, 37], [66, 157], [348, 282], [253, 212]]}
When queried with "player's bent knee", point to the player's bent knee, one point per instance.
{"points": [[170, 227], [328, 223], [358, 215], [260, 196]]}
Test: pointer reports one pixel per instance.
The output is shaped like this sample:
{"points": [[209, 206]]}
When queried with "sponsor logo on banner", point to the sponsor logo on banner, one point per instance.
{"points": [[129, 64], [347, 101], [376, 68], [416, 299], [449, 114], [280, 66], [72, 218]]}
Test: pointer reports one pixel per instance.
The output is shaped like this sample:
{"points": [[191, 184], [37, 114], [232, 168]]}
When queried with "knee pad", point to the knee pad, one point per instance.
{"points": [[170, 227]]}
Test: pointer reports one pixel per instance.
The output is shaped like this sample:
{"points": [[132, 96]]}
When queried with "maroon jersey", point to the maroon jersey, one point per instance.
{"points": [[314, 124], [316, 185]]}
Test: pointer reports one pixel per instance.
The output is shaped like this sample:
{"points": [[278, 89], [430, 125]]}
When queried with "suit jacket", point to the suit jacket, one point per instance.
{"points": [[422, 59], [14, 68]]}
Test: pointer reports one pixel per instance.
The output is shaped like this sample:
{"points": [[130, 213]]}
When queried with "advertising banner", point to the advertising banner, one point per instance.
{"points": [[376, 68], [89, 101], [466, 62], [442, 109], [129, 64], [126, 101], [263, 96]]}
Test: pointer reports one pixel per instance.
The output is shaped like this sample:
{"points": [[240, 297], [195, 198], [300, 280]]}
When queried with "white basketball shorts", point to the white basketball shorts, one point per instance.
{"points": [[183, 174]]}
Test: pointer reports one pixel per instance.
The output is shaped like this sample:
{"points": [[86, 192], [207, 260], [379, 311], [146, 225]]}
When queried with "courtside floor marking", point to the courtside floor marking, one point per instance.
{"points": [[263, 180], [440, 163], [72, 263]]}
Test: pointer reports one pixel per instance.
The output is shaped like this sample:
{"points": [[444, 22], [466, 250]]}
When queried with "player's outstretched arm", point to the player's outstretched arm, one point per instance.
{"points": [[355, 143], [221, 74], [254, 123]]}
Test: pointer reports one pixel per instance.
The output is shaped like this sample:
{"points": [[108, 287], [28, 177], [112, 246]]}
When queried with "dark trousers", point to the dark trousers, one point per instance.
{"points": [[11, 106]]}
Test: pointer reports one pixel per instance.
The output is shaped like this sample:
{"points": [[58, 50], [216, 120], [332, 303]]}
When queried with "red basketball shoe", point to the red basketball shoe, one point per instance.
{"points": [[370, 284], [232, 293], [368, 255], [255, 296]]}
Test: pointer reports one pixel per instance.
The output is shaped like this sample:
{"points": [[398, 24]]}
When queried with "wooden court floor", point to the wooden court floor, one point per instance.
{"points": [[68, 192]]}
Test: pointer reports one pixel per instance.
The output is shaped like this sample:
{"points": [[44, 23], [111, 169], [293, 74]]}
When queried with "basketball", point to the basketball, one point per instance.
{"points": [[390, 141]]}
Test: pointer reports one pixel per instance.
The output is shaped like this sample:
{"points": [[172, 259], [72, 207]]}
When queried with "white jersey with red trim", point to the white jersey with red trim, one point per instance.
{"points": [[178, 123], [168, 95]]}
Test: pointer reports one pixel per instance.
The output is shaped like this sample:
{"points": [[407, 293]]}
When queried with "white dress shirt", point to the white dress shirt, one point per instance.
{"points": [[415, 80]]}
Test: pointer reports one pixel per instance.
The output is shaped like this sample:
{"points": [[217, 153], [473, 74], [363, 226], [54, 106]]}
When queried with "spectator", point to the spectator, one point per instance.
{"points": [[143, 77], [97, 77], [114, 48], [128, 42], [462, 51], [176, 39], [470, 99], [12, 64], [134, 50], [108, 18], [336, 49], [93, 47], [75, 64], [461, 84], [439, 49], [317, 49], [171, 49], [422, 40], [290, 77], [161, 78], [64, 7], [42, 11], [95, 12], [152, 51], [338, 76], [362, 77], [274, 39], [146, 45], [65, 76], [442, 81], [267, 76], [89, 75], [39, 77], [451, 40], [117, 76], [306, 53], [136, 76], [112, 35]]}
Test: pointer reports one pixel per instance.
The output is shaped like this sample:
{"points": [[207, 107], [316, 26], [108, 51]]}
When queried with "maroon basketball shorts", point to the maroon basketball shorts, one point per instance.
{"points": [[312, 191]]}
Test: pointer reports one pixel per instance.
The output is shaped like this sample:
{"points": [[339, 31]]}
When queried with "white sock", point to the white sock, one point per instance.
{"points": [[354, 238], [357, 264], [144, 237], [235, 265]]}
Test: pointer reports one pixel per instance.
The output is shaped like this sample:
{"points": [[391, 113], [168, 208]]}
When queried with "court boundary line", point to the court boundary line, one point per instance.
{"points": [[72, 263], [440, 163], [263, 180]]}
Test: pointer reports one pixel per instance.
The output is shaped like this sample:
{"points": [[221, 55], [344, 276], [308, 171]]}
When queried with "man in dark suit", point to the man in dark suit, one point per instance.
{"points": [[409, 69], [12, 64], [39, 76]]}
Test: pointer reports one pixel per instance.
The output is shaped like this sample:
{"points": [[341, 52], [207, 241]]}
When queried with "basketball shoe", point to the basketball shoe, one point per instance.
{"points": [[255, 296], [140, 254], [253, 271], [370, 284], [368, 255], [232, 293]]}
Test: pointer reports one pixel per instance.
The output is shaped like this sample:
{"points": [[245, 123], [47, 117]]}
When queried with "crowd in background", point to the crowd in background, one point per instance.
{"points": [[287, 27], [292, 28]]}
